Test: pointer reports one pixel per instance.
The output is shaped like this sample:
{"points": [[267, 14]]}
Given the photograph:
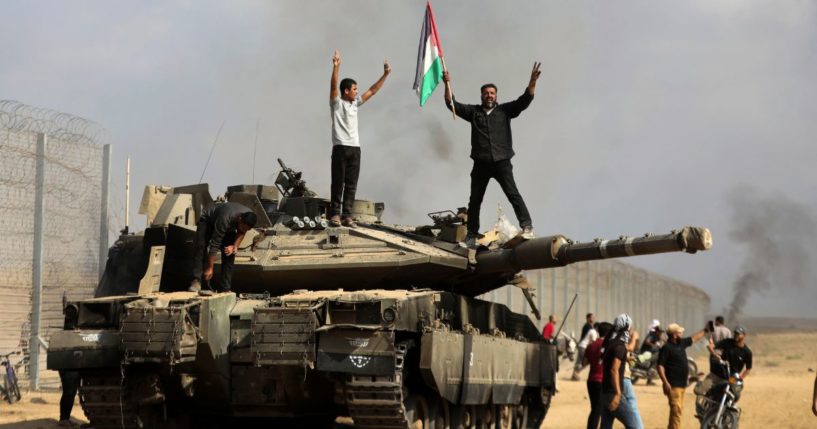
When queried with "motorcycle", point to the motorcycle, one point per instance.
{"points": [[645, 365], [716, 408]]}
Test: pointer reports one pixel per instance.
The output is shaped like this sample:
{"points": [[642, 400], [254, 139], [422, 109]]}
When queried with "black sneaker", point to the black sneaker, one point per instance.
{"points": [[527, 232], [195, 286]]}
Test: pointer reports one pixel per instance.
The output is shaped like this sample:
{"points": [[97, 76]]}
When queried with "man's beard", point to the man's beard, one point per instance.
{"points": [[488, 104]]}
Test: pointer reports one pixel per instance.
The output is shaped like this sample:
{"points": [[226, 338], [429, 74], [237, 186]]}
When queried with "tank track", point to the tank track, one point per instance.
{"points": [[105, 403], [376, 402]]}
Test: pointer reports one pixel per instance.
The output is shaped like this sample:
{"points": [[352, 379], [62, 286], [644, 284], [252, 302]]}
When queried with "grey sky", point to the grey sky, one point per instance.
{"points": [[647, 115]]}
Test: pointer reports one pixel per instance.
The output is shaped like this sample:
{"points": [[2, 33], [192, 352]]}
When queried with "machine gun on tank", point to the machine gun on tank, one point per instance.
{"points": [[290, 184]]}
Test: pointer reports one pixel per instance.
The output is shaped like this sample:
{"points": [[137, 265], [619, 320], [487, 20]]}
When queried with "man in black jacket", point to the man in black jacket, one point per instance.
{"points": [[492, 148], [220, 229]]}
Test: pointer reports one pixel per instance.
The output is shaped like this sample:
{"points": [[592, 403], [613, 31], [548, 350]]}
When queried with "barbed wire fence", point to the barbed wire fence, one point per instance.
{"points": [[57, 165]]}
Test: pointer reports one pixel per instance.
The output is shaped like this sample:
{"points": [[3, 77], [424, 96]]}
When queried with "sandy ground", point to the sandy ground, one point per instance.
{"points": [[777, 393]]}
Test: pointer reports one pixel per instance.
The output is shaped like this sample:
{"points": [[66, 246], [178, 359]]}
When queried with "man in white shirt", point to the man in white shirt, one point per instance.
{"points": [[590, 335], [721, 332], [344, 103]]}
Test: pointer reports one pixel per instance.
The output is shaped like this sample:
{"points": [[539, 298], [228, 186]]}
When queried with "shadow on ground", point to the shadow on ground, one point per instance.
{"points": [[31, 424]]}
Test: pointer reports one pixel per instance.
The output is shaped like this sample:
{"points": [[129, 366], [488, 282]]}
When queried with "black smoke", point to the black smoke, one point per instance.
{"points": [[779, 236]]}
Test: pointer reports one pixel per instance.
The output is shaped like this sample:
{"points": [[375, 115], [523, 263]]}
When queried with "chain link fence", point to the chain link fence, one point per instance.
{"points": [[51, 163]]}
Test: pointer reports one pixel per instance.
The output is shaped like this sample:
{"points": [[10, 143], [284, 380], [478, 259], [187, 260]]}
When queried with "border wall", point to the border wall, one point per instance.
{"points": [[54, 179], [607, 289]]}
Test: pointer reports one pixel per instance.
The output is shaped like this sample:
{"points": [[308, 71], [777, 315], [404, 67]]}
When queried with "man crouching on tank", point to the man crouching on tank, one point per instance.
{"points": [[220, 229]]}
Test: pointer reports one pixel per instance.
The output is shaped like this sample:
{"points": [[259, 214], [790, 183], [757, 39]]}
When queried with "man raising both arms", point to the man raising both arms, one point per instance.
{"points": [[343, 103], [492, 149]]}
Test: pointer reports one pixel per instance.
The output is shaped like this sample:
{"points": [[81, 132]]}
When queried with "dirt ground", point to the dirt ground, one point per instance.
{"points": [[777, 393]]}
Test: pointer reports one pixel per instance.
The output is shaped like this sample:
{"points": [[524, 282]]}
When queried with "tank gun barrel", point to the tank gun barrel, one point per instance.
{"points": [[557, 251]]}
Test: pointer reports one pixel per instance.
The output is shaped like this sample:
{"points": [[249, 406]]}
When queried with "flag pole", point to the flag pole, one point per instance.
{"points": [[448, 87]]}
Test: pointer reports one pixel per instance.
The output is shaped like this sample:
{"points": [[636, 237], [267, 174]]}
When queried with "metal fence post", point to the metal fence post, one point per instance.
{"points": [[103, 212], [37, 267]]}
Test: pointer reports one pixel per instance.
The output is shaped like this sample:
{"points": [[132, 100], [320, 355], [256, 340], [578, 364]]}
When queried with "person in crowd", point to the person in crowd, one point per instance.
{"points": [[721, 332], [589, 334], [343, 104], [592, 358], [492, 148], [628, 392], [652, 340], [814, 397], [652, 343], [550, 328], [615, 405], [674, 370], [70, 385], [735, 351]]}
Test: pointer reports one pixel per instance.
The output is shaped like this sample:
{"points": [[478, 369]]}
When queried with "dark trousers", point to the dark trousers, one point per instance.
{"points": [[345, 171], [502, 172], [70, 384], [594, 395], [204, 233]]}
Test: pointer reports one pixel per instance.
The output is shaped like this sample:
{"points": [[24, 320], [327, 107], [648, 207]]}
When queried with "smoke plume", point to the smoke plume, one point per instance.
{"points": [[778, 234]]}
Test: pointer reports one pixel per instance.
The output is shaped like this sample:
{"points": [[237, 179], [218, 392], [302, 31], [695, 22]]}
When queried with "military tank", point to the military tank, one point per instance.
{"points": [[379, 324]]}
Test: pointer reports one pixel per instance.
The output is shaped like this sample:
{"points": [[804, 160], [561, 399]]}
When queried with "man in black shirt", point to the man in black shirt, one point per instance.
{"points": [[674, 371], [735, 351], [492, 148], [220, 229], [614, 359]]}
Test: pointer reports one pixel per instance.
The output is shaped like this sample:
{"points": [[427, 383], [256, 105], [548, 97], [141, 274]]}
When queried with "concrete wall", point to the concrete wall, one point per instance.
{"points": [[609, 288]]}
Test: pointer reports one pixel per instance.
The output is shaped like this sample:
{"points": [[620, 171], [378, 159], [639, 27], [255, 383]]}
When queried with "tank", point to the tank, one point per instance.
{"points": [[377, 326]]}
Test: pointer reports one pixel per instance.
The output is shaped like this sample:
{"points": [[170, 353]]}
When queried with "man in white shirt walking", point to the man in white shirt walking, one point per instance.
{"points": [[344, 103]]}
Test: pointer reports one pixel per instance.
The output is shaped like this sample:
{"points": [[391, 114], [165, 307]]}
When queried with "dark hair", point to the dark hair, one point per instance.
{"points": [[346, 83], [588, 315], [249, 218], [719, 319], [604, 329], [487, 85]]}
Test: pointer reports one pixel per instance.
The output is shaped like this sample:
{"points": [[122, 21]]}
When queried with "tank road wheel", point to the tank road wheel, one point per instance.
{"points": [[520, 417], [441, 414], [463, 417], [535, 404], [505, 415], [485, 416], [417, 412]]}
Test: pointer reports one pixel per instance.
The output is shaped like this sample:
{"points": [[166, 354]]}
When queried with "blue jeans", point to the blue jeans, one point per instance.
{"points": [[627, 411], [629, 393]]}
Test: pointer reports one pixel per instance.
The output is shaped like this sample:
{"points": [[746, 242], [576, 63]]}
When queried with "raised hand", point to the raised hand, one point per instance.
{"points": [[446, 77], [534, 74], [336, 59], [386, 67]]}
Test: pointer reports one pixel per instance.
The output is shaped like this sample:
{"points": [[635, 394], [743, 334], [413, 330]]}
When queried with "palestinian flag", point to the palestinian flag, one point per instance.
{"points": [[429, 58]]}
